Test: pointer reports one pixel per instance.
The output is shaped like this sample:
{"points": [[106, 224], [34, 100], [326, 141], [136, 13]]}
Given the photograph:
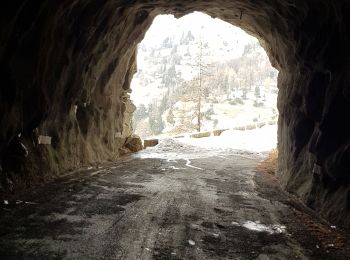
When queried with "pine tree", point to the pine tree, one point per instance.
{"points": [[202, 72], [257, 92], [170, 117]]}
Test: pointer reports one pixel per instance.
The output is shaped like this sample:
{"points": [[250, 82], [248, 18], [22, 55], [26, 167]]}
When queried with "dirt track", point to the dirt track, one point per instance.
{"points": [[173, 201]]}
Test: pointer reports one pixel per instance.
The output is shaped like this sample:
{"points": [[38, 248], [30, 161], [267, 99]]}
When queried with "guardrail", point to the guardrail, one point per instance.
{"points": [[218, 132]]}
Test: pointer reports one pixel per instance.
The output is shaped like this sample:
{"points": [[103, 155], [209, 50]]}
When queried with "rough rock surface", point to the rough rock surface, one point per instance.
{"points": [[150, 142], [134, 143], [66, 67]]}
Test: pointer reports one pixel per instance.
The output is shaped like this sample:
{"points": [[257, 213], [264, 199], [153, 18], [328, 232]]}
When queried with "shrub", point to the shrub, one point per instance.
{"points": [[258, 104], [239, 101], [269, 165]]}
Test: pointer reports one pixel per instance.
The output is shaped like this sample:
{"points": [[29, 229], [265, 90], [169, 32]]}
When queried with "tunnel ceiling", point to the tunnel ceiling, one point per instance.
{"points": [[66, 68]]}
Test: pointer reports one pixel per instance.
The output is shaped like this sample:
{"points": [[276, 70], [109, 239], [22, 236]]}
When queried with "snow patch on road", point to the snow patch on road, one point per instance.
{"points": [[248, 144], [256, 226], [175, 168], [188, 164]]}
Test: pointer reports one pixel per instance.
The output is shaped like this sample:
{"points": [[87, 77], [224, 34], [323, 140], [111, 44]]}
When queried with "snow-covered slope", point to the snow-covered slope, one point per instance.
{"points": [[234, 65]]}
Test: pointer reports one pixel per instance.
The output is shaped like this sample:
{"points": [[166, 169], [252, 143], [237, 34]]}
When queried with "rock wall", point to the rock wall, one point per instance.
{"points": [[314, 105], [66, 68]]}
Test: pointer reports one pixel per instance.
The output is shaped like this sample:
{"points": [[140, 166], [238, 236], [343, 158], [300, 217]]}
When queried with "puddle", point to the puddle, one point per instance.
{"points": [[256, 226]]}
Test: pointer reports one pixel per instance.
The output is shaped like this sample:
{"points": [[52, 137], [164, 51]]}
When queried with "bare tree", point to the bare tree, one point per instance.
{"points": [[202, 69]]}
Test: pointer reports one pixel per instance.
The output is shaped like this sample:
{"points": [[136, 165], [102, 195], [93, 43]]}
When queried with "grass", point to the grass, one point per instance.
{"points": [[269, 165]]}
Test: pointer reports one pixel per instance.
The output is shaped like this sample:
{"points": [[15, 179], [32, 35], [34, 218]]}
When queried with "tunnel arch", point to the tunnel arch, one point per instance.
{"points": [[66, 69]]}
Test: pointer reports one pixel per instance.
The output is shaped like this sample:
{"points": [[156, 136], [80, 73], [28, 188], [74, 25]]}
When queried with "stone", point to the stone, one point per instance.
{"points": [[134, 143], [201, 135], [150, 142], [219, 132], [250, 127], [260, 125], [191, 242]]}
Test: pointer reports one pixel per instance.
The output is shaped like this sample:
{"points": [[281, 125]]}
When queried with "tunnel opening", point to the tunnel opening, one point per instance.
{"points": [[199, 77], [66, 70]]}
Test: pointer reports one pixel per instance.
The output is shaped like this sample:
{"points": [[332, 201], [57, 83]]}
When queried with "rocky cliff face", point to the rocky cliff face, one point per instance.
{"points": [[66, 68]]}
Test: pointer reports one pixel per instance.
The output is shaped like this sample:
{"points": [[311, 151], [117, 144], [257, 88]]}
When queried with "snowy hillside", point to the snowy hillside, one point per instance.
{"points": [[200, 69]]}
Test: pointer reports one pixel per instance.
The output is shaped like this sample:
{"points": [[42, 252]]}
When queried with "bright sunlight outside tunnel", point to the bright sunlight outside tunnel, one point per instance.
{"points": [[200, 74]]}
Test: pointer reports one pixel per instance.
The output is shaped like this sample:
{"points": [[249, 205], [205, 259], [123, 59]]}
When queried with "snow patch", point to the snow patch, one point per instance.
{"points": [[256, 140], [256, 226]]}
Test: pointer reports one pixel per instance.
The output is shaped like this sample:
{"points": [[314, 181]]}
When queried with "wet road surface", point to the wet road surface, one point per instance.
{"points": [[174, 201]]}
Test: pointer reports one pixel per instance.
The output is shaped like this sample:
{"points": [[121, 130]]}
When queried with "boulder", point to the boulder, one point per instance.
{"points": [[150, 142], [201, 135], [134, 143]]}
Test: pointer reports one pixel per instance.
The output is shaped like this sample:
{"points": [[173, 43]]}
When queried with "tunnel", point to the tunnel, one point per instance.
{"points": [[66, 68]]}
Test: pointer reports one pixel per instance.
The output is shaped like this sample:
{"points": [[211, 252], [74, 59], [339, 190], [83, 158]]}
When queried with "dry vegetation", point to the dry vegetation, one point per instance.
{"points": [[269, 165]]}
